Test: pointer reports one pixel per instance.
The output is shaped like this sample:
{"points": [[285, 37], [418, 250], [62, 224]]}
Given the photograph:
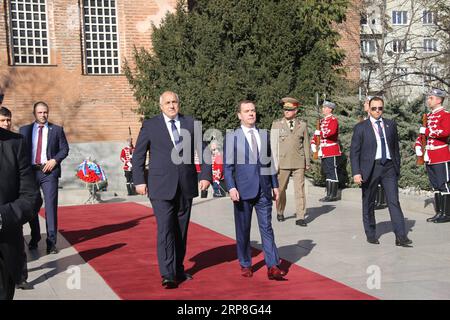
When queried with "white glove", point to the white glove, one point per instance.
{"points": [[419, 152], [317, 133], [422, 130], [313, 148]]}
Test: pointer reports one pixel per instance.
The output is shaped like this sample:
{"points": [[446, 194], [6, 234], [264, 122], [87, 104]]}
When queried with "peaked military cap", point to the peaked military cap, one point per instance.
{"points": [[437, 93], [289, 103], [329, 104]]}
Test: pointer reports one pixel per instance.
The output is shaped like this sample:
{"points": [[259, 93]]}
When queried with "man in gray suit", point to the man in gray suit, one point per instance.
{"points": [[290, 142]]}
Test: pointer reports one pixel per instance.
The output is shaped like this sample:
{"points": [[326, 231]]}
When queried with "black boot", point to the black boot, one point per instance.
{"points": [[328, 188], [445, 214], [380, 201], [437, 206], [130, 192], [133, 189], [334, 191]]}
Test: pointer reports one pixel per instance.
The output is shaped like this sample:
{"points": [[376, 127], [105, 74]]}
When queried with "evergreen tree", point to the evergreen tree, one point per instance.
{"points": [[224, 51]]}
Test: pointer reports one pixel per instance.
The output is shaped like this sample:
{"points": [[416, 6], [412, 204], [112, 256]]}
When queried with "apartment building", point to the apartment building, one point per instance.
{"points": [[402, 48]]}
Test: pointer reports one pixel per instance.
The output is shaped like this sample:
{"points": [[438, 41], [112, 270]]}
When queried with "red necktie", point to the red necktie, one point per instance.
{"points": [[39, 146]]}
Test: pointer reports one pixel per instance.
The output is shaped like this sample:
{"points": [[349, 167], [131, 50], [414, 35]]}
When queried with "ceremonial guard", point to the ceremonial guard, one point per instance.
{"points": [[217, 171], [328, 149], [125, 156], [432, 145]]}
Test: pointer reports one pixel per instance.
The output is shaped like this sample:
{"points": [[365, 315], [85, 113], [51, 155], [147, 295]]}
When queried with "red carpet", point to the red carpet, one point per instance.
{"points": [[119, 242]]}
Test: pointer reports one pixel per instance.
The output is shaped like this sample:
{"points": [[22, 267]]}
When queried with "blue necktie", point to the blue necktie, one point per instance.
{"points": [[383, 143], [176, 136]]}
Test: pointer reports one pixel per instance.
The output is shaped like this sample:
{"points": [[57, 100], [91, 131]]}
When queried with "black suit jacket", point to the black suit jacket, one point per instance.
{"points": [[19, 198], [164, 176], [57, 145], [363, 148]]}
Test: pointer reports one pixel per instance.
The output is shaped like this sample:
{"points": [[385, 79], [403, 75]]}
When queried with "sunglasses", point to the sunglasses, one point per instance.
{"points": [[375, 108]]}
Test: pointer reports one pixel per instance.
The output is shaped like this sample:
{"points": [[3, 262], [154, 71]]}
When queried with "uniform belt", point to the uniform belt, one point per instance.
{"points": [[37, 167], [436, 147], [328, 144]]}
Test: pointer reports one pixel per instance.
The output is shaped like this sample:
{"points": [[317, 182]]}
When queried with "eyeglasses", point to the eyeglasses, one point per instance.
{"points": [[375, 108], [288, 110]]}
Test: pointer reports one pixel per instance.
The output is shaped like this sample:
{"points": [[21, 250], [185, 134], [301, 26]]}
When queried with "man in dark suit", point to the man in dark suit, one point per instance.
{"points": [[251, 179], [19, 196], [5, 123], [375, 159], [171, 139], [48, 147]]}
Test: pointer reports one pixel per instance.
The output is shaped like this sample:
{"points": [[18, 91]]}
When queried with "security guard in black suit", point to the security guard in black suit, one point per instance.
{"points": [[375, 158]]}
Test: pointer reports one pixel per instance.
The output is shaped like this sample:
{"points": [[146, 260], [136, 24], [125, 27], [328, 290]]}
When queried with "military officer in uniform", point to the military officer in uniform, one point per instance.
{"points": [[290, 141], [329, 149], [437, 154]]}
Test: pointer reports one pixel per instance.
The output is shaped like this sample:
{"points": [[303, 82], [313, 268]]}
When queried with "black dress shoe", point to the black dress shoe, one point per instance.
{"points": [[280, 217], [52, 250], [403, 242], [373, 240], [301, 223], [169, 283], [24, 285], [442, 218], [434, 217]]}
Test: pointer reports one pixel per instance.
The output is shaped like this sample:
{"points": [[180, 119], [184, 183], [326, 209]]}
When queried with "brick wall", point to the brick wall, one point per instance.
{"points": [[350, 41], [91, 108]]}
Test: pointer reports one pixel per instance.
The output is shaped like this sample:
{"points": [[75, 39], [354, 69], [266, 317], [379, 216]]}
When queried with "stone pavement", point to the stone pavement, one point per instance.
{"points": [[332, 245]]}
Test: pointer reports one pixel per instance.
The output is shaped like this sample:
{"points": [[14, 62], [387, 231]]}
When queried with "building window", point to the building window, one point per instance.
{"points": [[401, 73], [430, 73], [363, 19], [101, 37], [29, 32], [368, 72], [429, 45], [399, 46], [399, 17], [429, 17], [368, 47]]}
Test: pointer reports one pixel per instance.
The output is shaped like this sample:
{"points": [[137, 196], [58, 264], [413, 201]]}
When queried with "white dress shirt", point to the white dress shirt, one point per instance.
{"points": [[169, 126], [35, 136], [377, 136]]}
